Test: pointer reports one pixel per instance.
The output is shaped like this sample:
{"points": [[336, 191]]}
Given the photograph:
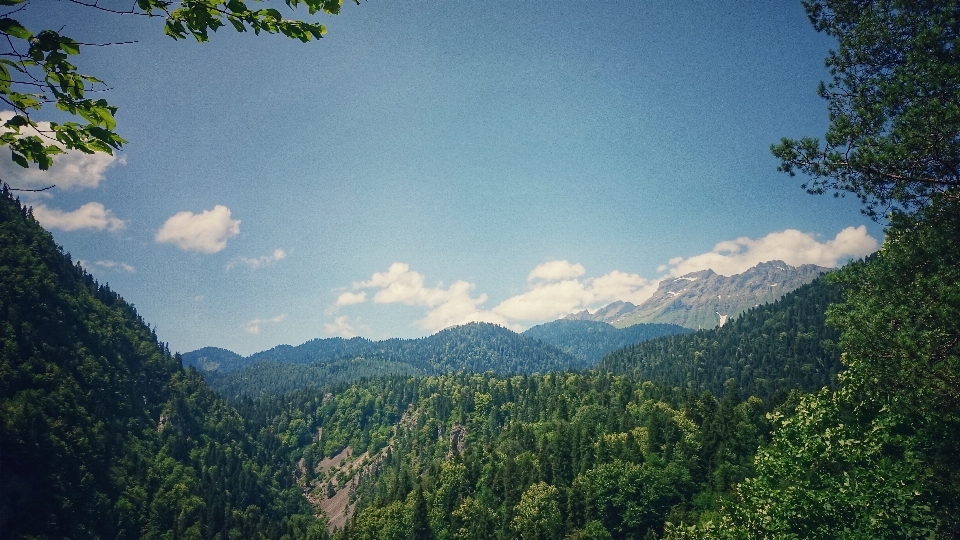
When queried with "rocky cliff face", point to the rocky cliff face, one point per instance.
{"points": [[706, 299], [608, 313]]}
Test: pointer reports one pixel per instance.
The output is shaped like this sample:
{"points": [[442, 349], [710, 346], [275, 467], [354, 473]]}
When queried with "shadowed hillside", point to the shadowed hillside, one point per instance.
{"points": [[104, 434]]}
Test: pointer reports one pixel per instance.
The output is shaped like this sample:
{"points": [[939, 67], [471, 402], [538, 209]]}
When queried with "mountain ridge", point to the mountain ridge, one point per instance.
{"points": [[476, 347], [706, 299], [768, 351]]}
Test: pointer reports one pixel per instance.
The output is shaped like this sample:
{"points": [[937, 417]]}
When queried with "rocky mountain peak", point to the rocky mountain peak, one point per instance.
{"points": [[705, 299]]}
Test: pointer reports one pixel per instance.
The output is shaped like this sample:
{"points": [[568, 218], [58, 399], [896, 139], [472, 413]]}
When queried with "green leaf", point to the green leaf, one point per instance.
{"points": [[17, 122], [69, 46], [15, 29], [20, 160]]}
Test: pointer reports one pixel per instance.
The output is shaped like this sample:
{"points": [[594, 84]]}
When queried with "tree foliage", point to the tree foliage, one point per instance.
{"points": [[894, 134], [473, 347], [104, 434], [37, 69], [767, 351], [901, 316], [877, 458], [581, 455]]}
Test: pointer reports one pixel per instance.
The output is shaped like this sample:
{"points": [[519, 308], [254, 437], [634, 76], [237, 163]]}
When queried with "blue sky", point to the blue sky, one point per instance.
{"points": [[431, 163]]}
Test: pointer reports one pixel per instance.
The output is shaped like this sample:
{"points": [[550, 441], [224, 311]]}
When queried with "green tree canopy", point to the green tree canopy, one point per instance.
{"points": [[894, 134], [36, 69], [877, 458]]}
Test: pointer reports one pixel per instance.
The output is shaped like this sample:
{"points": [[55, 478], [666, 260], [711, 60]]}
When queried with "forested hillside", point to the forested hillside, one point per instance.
{"points": [[767, 351], [274, 378], [475, 347], [214, 359], [576, 455], [590, 341], [594, 454], [104, 434]]}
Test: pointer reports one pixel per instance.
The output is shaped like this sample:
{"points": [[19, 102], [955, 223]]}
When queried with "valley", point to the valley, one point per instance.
{"points": [[573, 428]]}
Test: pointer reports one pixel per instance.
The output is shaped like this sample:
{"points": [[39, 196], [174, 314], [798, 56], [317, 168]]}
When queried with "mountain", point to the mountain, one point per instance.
{"points": [[706, 299], [104, 434], [474, 347], [612, 456], [214, 359], [590, 341], [767, 351], [608, 313]]}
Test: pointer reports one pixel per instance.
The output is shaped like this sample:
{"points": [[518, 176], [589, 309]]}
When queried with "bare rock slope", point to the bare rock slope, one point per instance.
{"points": [[706, 299]]}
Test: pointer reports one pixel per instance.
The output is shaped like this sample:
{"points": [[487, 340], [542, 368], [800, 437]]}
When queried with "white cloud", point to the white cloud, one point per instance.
{"points": [[446, 306], [341, 326], [557, 288], [553, 300], [556, 271], [790, 246], [114, 265], [349, 298], [458, 307], [618, 285], [253, 326], [206, 232], [92, 215], [544, 301], [257, 262], [71, 170], [549, 295], [400, 284]]}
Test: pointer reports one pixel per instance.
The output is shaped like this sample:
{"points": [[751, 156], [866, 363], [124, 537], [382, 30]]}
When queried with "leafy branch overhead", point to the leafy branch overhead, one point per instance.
{"points": [[36, 69], [893, 102]]}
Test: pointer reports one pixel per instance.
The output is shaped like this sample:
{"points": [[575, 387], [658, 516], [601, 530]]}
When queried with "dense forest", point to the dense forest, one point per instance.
{"points": [[485, 456], [104, 434], [476, 347], [466, 445], [768, 350]]}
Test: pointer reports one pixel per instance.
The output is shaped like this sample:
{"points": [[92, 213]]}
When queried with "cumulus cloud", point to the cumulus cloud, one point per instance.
{"points": [[71, 170], [111, 265], [445, 306], [790, 246], [253, 326], [341, 326], [556, 270], [257, 262], [549, 300], [551, 294], [348, 298], [92, 215], [618, 285], [557, 288], [206, 232]]}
